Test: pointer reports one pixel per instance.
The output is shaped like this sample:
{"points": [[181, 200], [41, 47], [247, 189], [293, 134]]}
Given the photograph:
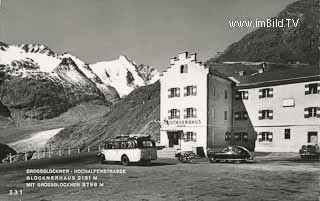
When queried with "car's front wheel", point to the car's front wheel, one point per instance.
{"points": [[125, 160], [212, 159]]}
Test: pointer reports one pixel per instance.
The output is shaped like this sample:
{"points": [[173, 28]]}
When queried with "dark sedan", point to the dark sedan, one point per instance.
{"points": [[310, 151], [230, 153]]}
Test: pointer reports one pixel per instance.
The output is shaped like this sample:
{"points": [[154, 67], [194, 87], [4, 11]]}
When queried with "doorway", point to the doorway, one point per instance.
{"points": [[174, 138]]}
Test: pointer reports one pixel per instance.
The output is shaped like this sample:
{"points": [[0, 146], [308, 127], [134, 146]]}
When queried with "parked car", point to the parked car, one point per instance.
{"points": [[230, 153], [309, 151]]}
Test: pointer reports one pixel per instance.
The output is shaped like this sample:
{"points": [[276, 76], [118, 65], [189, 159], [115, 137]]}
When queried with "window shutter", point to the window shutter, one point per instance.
{"points": [[194, 136], [245, 136], [245, 115], [184, 91], [270, 114], [169, 114], [246, 95], [306, 113], [237, 95], [260, 115], [318, 88], [178, 114], [260, 93], [184, 137], [318, 112], [271, 93], [260, 137], [169, 93], [306, 89], [194, 113], [270, 137], [178, 92], [236, 115], [194, 90]]}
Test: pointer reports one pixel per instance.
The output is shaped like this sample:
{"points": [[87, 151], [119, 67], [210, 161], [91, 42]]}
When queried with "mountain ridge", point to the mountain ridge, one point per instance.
{"points": [[281, 45]]}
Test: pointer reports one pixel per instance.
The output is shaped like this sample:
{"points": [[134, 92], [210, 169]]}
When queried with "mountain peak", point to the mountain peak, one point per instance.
{"points": [[37, 48]]}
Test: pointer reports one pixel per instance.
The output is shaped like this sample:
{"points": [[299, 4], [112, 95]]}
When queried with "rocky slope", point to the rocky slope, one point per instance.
{"points": [[282, 45], [37, 83], [136, 113], [5, 150]]}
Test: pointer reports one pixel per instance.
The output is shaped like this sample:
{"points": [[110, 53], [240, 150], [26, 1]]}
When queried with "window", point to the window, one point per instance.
{"points": [[184, 68], [147, 144], [225, 94], [190, 137], [190, 113], [213, 113], [174, 92], [312, 112], [313, 137], [287, 133], [228, 136], [190, 91], [241, 136], [288, 102], [243, 115], [265, 114], [242, 95], [174, 114], [266, 93], [265, 137], [225, 115], [313, 88]]}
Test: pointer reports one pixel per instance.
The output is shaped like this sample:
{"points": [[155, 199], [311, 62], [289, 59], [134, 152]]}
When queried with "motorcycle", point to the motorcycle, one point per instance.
{"points": [[186, 156]]}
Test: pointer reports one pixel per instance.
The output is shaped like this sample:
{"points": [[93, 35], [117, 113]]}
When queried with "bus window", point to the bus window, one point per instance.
{"points": [[109, 146], [130, 145], [146, 144], [123, 145]]}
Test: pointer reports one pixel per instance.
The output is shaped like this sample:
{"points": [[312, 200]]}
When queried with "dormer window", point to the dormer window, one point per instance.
{"points": [[184, 68]]}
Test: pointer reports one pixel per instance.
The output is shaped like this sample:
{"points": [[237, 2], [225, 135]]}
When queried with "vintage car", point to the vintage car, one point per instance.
{"points": [[230, 154], [309, 151], [127, 149]]}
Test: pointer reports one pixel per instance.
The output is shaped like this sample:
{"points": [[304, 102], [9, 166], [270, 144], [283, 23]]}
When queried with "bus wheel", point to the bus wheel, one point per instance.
{"points": [[125, 160]]}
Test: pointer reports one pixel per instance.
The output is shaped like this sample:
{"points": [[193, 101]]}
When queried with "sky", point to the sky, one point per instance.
{"points": [[147, 31]]}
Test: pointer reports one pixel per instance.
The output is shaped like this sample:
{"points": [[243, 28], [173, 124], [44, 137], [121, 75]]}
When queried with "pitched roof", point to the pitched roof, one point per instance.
{"points": [[277, 74], [279, 77]]}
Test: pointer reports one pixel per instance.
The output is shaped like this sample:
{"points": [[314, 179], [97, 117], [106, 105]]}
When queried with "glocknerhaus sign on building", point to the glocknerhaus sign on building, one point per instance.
{"points": [[262, 106]]}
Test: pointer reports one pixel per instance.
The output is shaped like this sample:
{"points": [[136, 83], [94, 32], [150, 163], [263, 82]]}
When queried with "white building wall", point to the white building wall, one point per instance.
{"points": [[196, 76], [283, 117]]}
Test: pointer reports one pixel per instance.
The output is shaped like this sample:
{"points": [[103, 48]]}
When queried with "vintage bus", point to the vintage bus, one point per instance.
{"points": [[127, 149]]}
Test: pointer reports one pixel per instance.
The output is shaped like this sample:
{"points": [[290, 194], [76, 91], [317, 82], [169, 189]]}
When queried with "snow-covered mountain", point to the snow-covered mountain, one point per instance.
{"points": [[53, 82], [122, 74]]}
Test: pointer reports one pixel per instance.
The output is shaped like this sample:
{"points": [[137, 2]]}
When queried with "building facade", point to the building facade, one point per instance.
{"points": [[276, 111], [282, 114], [195, 105]]}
